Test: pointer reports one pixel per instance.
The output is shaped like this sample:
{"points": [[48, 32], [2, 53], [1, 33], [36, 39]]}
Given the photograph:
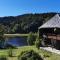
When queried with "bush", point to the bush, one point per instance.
{"points": [[47, 54], [3, 58], [38, 42], [10, 52], [2, 41], [31, 39], [30, 55], [9, 46]]}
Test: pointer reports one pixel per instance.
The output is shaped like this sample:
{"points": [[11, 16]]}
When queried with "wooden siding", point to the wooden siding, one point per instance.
{"points": [[54, 37]]}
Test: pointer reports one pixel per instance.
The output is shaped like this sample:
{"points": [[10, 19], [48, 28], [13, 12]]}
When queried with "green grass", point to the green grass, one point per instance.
{"points": [[3, 52], [16, 52], [17, 35]]}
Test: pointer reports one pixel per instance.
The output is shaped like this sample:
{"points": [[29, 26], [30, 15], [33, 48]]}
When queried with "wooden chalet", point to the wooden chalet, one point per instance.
{"points": [[50, 32]]}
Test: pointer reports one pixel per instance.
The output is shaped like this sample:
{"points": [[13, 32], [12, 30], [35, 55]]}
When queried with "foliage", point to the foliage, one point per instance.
{"points": [[52, 56], [2, 41], [31, 39], [10, 53], [38, 41], [30, 55], [46, 53], [24, 23], [3, 58], [10, 46], [1, 36]]}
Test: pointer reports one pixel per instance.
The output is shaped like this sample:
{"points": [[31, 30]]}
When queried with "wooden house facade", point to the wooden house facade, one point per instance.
{"points": [[50, 32]]}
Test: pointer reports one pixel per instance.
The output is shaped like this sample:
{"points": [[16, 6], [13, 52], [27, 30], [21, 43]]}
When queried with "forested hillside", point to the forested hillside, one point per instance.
{"points": [[24, 23]]}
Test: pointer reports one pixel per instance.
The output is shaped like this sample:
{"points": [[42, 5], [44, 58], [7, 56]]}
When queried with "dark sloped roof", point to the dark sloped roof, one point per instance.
{"points": [[54, 22]]}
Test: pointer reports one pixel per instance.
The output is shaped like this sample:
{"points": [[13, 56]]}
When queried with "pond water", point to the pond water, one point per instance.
{"points": [[17, 41]]}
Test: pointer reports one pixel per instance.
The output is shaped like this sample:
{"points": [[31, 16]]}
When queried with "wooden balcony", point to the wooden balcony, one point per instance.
{"points": [[53, 36]]}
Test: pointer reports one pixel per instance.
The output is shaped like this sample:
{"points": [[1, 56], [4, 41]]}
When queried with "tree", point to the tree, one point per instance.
{"points": [[30, 39], [14, 28], [1, 36], [10, 52], [3, 58], [29, 55], [38, 41]]}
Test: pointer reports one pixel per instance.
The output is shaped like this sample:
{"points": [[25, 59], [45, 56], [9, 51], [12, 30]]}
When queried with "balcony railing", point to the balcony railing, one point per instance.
{"points": [[53, 36]]}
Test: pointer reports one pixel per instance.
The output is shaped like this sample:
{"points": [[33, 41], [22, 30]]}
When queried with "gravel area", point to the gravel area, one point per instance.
{"points": [[51, 50]]}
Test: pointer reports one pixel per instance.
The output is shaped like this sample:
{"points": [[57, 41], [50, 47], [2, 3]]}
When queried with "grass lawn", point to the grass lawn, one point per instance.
{"points": [[16, 52], [17, 35]]}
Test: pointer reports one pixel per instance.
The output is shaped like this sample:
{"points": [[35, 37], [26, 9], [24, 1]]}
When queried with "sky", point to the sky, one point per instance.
{"points": [[19, 7]]}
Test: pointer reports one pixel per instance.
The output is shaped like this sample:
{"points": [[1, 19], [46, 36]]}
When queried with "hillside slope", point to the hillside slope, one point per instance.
{"points": [[24, 23]]}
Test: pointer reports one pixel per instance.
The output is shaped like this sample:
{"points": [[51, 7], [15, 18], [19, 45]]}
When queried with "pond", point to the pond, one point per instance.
{"points": [[17, 41]]}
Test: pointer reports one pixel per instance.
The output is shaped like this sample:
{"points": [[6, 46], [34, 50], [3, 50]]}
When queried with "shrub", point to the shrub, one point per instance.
{"points": [[3, 58], [10, 52], [38, 42], [2, 41], [30, 55], [31, 39], [47, 54], [10, 46]]}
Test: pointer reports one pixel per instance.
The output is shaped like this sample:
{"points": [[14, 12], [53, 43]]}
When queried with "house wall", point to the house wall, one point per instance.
{"points": [[52, 39]]}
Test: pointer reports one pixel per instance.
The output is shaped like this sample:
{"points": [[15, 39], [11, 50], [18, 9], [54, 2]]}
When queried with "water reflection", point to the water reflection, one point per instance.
{"points": [[17, 41]]}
